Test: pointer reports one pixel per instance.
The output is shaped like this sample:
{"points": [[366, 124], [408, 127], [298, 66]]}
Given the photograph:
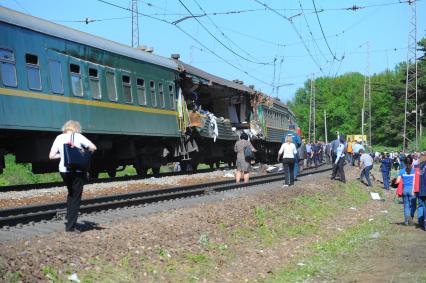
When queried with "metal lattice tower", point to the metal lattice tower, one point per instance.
{"points": [[312, 109], [135, 24], [366, 103], [411, 108]]}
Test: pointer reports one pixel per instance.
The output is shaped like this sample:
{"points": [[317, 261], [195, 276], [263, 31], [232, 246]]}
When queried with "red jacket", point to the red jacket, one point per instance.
{"points": [[416, 182]]}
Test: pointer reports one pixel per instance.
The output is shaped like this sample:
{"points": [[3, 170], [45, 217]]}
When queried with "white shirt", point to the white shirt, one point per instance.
{"points": [[80, 141], [289, 150]]}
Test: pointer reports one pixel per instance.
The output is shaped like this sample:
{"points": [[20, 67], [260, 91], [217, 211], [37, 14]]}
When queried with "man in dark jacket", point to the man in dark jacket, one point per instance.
{"points": [[421, 210], [302, 155]]}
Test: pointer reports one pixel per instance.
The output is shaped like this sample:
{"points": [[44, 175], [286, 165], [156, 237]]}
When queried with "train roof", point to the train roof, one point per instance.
{"points": [[43, 26], [214, 79]]}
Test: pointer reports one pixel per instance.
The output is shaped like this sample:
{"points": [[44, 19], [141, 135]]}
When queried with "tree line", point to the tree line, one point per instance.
{"points": [[342, 99]]}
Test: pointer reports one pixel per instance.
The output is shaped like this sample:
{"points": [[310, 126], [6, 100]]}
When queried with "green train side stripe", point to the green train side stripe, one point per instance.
{"points": [[74, 100]]}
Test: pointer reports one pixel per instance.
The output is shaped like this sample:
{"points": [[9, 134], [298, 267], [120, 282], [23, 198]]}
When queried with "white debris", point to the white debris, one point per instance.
{"points": [[371, 219], [229, 175], [352, 208], [375, 235], [375, 196], [73, 277], [384, 211], [301, 264]]}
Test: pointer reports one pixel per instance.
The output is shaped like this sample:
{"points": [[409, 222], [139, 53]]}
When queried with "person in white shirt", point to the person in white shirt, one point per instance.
{"points": [[366, 166], [288, 152], [339, 163], [74, 180]]}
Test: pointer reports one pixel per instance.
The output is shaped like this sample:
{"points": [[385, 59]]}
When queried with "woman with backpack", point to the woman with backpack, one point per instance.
{"points": [[242, 148], [288, 151]]}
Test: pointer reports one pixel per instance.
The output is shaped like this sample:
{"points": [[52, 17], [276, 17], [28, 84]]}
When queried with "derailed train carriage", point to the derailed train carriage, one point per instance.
{"points": [[139, 108]]}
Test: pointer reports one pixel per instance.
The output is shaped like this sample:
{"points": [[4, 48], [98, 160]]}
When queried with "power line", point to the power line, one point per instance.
{"points": [[190, 36], [310, 31], [322, 31], [219, 41], [295, 29]]}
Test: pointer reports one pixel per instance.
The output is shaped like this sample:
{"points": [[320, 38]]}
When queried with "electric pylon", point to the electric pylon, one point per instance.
{"points": [[135, 24], [410, 109]]}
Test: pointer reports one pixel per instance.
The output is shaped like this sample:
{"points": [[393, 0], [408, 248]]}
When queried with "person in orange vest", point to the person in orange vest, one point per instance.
{"points": [[350, 151], [408, 186]]}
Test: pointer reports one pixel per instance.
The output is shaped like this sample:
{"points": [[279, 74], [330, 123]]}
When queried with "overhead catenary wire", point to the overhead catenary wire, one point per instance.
{"points": [[192, 37], [219, 41], [295, 29]]}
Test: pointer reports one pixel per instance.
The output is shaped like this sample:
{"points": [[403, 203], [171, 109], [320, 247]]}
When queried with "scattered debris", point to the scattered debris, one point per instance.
{"points": [[384, 211], [73, 277], [375, 196], [352, 208], [375, 235], [229, 175]]}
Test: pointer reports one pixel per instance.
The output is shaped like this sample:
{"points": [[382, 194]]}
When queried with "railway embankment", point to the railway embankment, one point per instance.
{"points": [[306, 232]]}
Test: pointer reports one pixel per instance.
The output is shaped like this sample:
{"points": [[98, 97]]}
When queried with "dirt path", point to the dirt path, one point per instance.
{"points": [[397, 255]]}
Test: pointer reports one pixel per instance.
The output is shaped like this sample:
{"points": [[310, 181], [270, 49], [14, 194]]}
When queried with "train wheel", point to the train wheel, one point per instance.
{"points": [[93, 174], [112, 172], [156, 171], [141, 171]]}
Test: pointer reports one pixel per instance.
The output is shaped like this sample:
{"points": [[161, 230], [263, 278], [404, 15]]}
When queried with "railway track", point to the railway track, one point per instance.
{"points": [[28, 187], [35, 213]]}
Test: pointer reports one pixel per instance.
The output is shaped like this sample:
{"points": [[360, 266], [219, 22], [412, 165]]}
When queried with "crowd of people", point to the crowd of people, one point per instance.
{"points": [[397, 168]]}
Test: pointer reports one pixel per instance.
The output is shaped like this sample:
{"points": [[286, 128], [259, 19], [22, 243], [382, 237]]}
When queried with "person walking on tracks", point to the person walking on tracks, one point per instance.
{"points": [[288, 151], [366, 166], [340, 160], [73, 179], [243, 163]]}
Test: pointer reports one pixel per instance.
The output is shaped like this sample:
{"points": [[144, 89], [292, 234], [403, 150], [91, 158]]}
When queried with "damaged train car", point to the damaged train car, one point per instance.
{"points": [[139, 108]]}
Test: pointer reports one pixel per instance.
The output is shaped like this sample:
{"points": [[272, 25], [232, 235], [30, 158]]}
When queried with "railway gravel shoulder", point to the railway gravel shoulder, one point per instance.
{"points": [[103, 219]]}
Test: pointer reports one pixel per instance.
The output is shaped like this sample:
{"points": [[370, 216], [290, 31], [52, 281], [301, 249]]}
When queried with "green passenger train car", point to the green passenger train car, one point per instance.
{"points": [[131, 103]]}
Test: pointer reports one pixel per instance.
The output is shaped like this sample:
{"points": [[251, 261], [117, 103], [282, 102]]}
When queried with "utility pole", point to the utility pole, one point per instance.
{"points": [[135, 24], [411, 107], [325, 126], [362, 125], [366, 104], [311, 133]]}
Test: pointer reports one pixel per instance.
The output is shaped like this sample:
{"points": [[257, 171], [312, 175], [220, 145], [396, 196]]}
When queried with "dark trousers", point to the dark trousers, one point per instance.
{"points": [[338, 168], [74, 182], [288, 164]]}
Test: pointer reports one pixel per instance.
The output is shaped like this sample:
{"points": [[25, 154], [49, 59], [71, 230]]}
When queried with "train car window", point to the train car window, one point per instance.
{"points": [[8, 69], [141, 92], [153, 93], [111, 88], [76, 82], [55, 73], [161, 95], [33, 71], [94, 83], [127, 89], [172, 97]]}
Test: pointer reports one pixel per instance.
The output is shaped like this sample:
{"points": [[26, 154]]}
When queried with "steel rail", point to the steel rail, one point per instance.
{"points": [[36, 213], [28, 187]]}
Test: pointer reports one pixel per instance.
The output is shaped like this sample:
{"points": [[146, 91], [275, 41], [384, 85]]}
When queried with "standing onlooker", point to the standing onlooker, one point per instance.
{"points": [[406, 176], [74, 180], [340, 160], [308, 154], [243, 164], [366, 165], [288, 151], [421, 212], [386, 167], [350, 151], [302, 155]]}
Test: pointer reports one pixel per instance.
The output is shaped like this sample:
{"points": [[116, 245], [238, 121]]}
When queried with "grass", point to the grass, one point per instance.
{"points": [[328, 258]]}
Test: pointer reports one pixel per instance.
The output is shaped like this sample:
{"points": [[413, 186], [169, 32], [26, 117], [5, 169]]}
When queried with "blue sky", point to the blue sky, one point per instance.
{"points": [[268, 46]]}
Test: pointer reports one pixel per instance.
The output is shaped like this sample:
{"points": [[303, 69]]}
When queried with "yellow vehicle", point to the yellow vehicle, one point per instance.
{"points": [[361, 138]]}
